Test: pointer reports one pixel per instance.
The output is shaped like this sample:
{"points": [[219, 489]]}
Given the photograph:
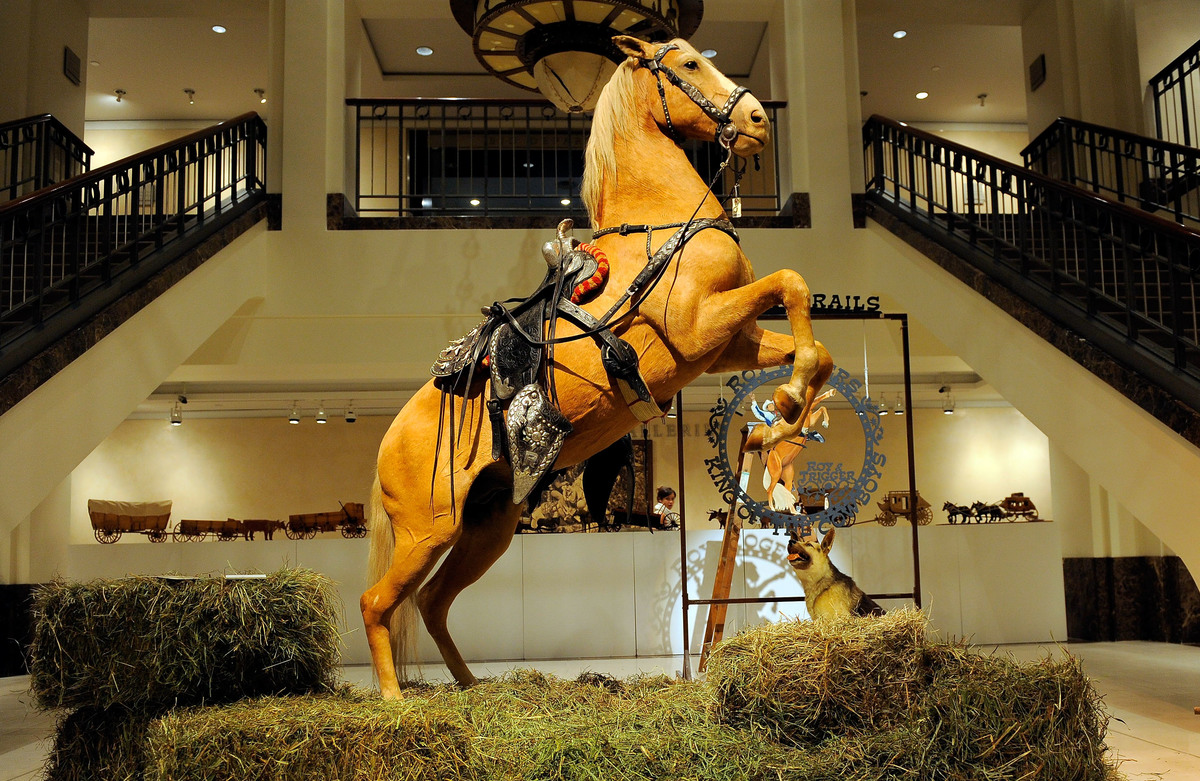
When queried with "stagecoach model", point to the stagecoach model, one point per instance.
{"points": [[192, 530], [350, 520], [1018, 504], [895, 505], [112, 519]]}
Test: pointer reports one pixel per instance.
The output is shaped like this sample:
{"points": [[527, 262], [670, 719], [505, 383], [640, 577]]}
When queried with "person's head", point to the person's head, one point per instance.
{"points": [[666, 495]]}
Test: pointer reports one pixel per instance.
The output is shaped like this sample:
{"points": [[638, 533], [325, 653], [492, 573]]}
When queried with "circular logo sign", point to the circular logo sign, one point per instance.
{"points": [[845, 490]]}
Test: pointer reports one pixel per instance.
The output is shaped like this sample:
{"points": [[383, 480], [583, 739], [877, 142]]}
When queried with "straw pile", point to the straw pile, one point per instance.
{"points": [[147, 642], [863, 700]]}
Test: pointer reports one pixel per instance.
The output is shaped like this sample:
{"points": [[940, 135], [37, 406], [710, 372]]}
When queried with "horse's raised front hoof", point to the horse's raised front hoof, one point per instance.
{"points": [[789, 402]]}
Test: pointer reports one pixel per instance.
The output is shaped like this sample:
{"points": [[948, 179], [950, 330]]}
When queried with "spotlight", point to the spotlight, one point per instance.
{"points": [[899, 405], [177, 410], [321, 418], [294, 418], [191, 93], [120, 93], [262, 94], [947, 400], [350, 414], [883, 410]]}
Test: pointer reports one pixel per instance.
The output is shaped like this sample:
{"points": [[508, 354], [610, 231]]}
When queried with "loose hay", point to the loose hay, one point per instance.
{"points": [[864, 700], [145, 642]]}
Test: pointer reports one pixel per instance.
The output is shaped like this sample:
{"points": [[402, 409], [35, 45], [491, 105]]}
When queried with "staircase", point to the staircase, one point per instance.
{"points": [[1119, 279], [72, 250]]}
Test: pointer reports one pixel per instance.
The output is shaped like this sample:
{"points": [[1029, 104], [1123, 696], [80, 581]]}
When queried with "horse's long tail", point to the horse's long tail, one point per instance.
{"points": [[402, 626]]}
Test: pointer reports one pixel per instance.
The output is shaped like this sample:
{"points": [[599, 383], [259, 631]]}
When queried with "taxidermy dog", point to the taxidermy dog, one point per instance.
{"points": [[828, 593]]}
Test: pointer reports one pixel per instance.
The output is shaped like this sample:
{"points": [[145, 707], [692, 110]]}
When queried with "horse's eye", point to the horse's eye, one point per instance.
{"points": [[692, 65]]}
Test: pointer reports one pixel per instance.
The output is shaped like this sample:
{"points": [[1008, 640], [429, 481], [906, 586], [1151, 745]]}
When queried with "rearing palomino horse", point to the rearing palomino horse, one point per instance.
{"points": [[439, 485]]}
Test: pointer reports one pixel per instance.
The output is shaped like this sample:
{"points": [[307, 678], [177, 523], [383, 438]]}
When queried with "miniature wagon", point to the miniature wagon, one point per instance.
{"points": [[350, 520], [1018, 504], [193, 530], [112, 519], [895, 505]]}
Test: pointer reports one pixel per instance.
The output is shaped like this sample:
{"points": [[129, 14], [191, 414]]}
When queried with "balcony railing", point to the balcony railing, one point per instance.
{"points": [[451, 157], [36, 152], [1124, 279], [1146, 173], [1176, 90], [69, 250]]}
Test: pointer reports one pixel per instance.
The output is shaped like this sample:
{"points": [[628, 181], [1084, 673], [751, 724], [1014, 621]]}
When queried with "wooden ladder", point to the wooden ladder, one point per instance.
{"points": [[714, 630]]}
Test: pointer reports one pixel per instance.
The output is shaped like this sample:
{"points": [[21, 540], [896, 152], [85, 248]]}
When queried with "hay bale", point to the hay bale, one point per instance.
{"points": [[95, 743], [146, 642], [992, 717], [331, 736], [879, 694], [806, 681]]}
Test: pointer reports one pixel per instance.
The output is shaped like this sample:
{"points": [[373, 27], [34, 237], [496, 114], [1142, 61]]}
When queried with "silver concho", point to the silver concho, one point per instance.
{"points": [[456, 356], [536, 430]]}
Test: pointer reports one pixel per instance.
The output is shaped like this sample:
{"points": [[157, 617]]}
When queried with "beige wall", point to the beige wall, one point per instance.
{"points": [[32, 37]]}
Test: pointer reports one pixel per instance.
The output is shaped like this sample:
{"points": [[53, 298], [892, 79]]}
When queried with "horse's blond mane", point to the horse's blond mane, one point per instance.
{"points": [[616, 102]]}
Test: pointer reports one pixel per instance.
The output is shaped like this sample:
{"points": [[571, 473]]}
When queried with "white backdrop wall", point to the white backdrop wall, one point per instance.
{"points": [[591, 595]]}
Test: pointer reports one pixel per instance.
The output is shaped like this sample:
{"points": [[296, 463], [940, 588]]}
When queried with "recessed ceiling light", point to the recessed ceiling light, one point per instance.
{"points": [[922, 95], [903, 124], [899, 33], [936, 68], [565, 201], [709, 53], [474, 201], [217, 28], [424, 51], [93, 62]]}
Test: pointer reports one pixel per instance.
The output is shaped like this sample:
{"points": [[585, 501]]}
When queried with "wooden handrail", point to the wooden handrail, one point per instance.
{"points": [[1150, 141]]}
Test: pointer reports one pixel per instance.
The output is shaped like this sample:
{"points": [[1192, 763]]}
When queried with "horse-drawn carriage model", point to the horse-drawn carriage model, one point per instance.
{"points": [[192, 530], [350, 521], [1007, 509], [112, 519], [896, 504]]}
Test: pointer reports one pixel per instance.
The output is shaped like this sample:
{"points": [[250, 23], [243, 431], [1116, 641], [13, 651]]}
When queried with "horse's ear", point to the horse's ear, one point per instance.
{"points": [[634, 47], [827, 541]]}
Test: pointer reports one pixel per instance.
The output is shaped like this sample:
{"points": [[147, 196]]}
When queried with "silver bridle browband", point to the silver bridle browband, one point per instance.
{"points": [[727, 132]]}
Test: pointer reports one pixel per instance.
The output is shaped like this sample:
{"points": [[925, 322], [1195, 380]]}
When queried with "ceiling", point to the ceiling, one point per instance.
{"points": [[155, 49]]}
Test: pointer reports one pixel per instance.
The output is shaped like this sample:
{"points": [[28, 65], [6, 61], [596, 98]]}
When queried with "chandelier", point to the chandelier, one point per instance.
{"points": [[563, 48]]}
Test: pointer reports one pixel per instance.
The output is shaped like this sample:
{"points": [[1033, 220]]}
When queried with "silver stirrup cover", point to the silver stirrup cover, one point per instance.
{"points": [[536, 430]]}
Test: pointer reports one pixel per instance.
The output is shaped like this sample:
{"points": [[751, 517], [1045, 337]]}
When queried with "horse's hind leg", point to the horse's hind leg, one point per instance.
{"points": [[407, 538], [488, 529]]}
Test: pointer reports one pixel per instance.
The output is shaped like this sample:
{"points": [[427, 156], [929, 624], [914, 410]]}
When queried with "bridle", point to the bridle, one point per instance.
{"points": [[727, 131]]}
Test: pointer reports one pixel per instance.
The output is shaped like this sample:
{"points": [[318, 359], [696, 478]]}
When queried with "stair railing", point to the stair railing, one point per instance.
{"points": [[1176, 91], [71, 249], [1124, 279], [1146, 173], [36, 152]]}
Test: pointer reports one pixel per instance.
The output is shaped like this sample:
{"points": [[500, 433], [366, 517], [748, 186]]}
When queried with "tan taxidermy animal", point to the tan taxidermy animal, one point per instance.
{"points": [[828, 593]]}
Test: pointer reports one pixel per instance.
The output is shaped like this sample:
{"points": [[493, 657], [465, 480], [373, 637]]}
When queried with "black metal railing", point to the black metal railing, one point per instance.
{"points": [[1147, 173], [1175, 88], [36, 152], [1126, 280], [68, 250], [469, 158]]}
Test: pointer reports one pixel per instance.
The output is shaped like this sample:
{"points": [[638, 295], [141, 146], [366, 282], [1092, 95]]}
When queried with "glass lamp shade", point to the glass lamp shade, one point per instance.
{"points": [[573, 80]]}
